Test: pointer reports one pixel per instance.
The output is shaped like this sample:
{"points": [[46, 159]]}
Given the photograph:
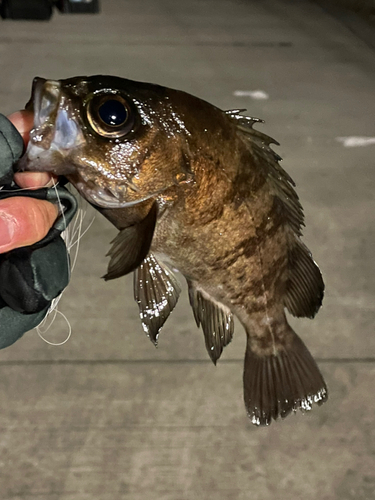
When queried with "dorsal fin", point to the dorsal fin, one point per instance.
{"points": [[280, 181], [304, 287], [215, 318], [156, 290], [131, 246]]}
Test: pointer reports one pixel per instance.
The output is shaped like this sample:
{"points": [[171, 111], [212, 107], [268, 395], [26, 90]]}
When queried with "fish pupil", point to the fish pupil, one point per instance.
{"points": [[113, 113]]}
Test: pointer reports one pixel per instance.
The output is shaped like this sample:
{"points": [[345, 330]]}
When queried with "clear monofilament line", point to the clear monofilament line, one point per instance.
{"points": [[72, 237]]}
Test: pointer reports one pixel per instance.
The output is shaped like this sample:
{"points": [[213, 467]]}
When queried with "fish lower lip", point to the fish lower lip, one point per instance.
{"points": [[104, 198], [39, 161]]}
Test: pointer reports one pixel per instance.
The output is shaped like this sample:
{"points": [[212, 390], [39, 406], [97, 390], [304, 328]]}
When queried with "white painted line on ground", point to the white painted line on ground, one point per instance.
{"points": [[356, 141], [254, 94]]}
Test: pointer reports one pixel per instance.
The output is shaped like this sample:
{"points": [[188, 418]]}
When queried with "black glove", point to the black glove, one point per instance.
{"points": [[32, 276]]}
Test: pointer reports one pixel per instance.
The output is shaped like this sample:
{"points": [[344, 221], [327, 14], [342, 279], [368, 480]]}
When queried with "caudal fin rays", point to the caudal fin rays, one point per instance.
{"points": [[276, 385]]}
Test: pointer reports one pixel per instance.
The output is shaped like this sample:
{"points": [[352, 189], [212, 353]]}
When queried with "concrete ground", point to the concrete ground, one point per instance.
{"points": [[108, 416]]}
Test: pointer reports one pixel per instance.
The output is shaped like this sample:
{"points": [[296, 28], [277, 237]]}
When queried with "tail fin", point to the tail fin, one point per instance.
{"points": [[276, 384]]}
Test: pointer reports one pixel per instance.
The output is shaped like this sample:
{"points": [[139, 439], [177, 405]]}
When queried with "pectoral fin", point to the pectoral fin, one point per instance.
{"points": [[131, 246], [216, 320], [156, 290]]}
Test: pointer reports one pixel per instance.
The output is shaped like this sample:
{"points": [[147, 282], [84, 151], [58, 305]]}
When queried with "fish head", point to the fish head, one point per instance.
{"points": [[117, 141]]}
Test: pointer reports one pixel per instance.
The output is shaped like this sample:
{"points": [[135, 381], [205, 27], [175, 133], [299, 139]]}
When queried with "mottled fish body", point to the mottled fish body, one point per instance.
{"points": [[197, 189]]}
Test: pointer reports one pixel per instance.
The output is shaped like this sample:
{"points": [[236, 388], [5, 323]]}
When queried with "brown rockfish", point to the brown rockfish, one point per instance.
{"points": [[199, 190]]}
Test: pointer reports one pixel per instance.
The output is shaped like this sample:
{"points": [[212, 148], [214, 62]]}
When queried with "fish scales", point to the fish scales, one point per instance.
{"points": [[195, 189]]}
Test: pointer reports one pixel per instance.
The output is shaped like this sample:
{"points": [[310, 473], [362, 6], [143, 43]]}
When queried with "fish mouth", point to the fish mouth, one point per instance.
{"points": [[45, 96], [101, 197], [54, 133]]}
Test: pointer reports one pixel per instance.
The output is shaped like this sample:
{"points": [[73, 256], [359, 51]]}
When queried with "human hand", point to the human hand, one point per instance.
{"points": [[23, 220], [34, 264]]}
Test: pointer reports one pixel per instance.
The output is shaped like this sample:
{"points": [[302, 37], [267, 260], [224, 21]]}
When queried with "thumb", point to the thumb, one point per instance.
{"points": [[24, 221], [23, 121]]}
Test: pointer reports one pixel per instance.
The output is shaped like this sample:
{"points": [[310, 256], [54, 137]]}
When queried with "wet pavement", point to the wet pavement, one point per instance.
{"points": [[107, 415]]}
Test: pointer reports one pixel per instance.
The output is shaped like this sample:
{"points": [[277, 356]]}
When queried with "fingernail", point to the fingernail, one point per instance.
{"points": [[6, 230]]}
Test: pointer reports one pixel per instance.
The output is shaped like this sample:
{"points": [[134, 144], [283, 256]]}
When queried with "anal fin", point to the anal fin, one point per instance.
{"points": [[131, 246], [216, 321], [156, 290]]}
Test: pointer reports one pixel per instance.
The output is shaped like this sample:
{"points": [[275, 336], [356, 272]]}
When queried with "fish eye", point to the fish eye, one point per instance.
{"points": [[113, 113], [110, 115]]}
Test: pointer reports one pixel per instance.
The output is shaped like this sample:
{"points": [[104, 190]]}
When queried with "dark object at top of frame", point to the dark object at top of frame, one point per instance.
{"points": [[41, 10]]}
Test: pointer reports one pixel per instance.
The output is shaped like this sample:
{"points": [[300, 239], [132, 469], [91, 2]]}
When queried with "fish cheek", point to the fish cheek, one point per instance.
{"points": [[162, 165], [90, 164]]}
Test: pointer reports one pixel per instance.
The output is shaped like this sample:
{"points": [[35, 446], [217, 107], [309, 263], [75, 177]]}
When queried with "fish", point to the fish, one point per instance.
{"points": [[198, 190]]}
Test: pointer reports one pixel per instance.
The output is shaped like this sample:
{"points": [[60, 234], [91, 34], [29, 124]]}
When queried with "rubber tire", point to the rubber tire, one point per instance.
{"points": [[68, 7], [40, 10]]}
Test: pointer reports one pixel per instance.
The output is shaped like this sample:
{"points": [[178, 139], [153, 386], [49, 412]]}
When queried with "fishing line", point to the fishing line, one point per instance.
{"points": [[55, 312], [72, 236], [74, 232], [53, 309]]}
